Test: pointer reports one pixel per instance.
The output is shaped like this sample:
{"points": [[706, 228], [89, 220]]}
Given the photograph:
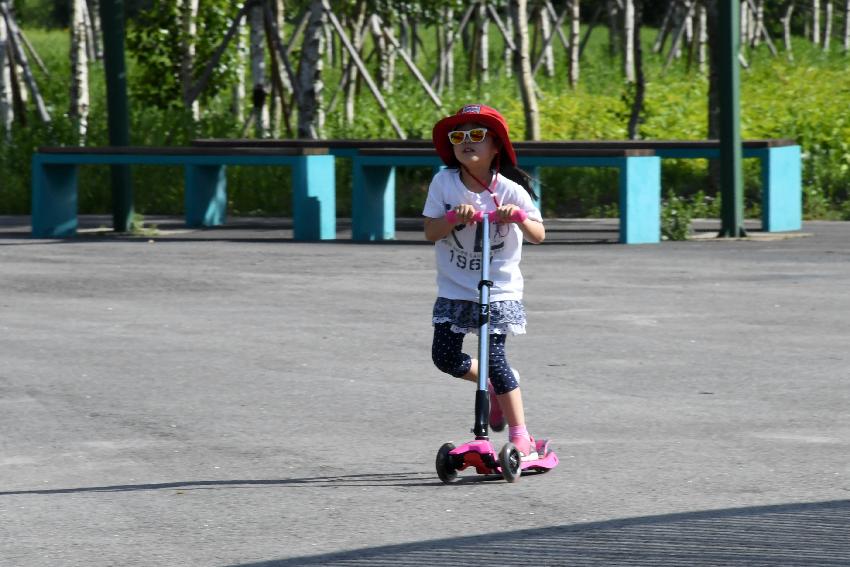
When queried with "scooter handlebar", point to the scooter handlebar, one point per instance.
{"points": [[517, 216]]}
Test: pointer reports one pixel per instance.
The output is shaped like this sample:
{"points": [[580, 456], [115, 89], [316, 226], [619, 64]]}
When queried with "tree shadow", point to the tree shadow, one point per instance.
{"points": [[784, 535]]}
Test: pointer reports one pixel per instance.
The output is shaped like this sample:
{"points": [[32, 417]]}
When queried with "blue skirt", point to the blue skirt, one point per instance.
{"points": [[505, 316]]}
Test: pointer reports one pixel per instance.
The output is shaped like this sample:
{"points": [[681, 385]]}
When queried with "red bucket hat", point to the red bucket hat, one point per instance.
{"points": [[484, 115]]}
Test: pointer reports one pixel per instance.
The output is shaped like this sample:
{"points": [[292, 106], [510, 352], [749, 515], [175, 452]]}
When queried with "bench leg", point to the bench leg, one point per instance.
{"points": [[782, 191], [54, 199], [640, 200], [372, 202], [314, 198], [205, 195]]}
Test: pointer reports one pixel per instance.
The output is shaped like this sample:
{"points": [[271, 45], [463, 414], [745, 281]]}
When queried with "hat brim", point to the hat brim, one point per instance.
{"points": [[440, 136]]}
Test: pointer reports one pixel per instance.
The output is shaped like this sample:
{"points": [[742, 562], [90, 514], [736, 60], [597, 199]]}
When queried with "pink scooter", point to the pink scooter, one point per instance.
{"points": [[480, 453]]}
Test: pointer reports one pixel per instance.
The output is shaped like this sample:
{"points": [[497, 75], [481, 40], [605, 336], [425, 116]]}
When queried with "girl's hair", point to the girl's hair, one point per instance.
{"points": [[521, 177]]}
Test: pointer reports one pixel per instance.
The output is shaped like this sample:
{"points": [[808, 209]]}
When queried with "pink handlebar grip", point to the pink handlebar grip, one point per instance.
{"points": [[517, 216]]}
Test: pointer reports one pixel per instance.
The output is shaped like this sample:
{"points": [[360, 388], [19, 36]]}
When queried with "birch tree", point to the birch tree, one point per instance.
{"points": [[846, 26], [94, 17], [827, 31], [523, 66], [188, 28], [310, 115], [79, 103], [6, 103], [575, 43], [816, 22], [629, 40], [786, 28], [259, 92]]}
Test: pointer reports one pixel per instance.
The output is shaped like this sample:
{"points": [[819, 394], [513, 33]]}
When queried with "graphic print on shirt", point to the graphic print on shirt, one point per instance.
{"points": [[471, 259]]}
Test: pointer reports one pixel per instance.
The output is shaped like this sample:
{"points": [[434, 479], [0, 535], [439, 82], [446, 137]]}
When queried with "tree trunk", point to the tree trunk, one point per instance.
{"points": [[613, 28], [94, 14], [629, 40], [640, 81], [310, 118], [238, 89], [351, 85], [827, 31], [385, 57], [713, 91], [6, 102], [523, 64], [509, 53], [79, 107], [483, 44], [847, 27], [547, 55], [575, 42], [786, 27], [449, 55], [702, 58], [258, 72], [816, 22], [189, 30]]}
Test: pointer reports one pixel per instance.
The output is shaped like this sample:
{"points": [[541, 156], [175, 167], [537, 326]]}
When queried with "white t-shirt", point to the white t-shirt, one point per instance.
{"points": [[459, 256]]}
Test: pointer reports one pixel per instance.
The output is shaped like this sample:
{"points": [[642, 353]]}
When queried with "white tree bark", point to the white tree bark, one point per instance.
{"points": [[238, 88], [359, 36], [816, 22], [449, 59], [629, 40], [189, 29], [310, 115], [575, 41], [6, 103], [79, 104], [702, 52], [94, 15], [259, 93], [523, 64], [786, 27], [509, 53], [483, 44], [546, 32]]}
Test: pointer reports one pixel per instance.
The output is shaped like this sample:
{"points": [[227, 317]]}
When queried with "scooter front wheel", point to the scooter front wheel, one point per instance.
{"points": [[445, 467], [510, 461]]}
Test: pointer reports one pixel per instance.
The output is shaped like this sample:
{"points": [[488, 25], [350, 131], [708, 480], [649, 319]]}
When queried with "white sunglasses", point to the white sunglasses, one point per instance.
{"points": [[474, 135]]}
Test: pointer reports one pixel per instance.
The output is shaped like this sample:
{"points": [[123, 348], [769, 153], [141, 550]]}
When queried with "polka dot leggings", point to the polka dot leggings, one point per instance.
{"points": [[447, 354]]}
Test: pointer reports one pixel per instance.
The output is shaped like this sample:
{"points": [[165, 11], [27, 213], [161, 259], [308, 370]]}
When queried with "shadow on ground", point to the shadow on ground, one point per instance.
{"points": [[785, 535]]}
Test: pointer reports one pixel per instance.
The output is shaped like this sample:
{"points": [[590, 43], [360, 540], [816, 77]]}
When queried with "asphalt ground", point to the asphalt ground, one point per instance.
{"points": [[232, 397]]}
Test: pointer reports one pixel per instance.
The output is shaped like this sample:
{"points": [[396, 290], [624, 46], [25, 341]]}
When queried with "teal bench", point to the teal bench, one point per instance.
{"points": [[373, 191], [373, 218], [781, 169], [54, 183]]}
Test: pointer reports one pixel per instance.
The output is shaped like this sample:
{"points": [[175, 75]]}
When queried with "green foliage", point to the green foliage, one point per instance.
{"points": [[154, 39], [676, 217]]}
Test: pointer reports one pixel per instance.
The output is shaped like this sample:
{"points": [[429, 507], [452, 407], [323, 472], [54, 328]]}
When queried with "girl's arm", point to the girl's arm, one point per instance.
{"points": [[438, 229]]}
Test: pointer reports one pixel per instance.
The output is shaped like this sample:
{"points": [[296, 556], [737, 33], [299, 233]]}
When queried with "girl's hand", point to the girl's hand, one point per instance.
{"points": [[464, 213], [510, 213]]}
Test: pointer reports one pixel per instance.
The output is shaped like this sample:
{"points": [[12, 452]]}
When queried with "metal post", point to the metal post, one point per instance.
{"points": [[112, 18], [729, 80]]}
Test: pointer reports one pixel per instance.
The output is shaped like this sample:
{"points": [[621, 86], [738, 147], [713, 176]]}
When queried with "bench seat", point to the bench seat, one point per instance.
{"points": [[54, 183]]}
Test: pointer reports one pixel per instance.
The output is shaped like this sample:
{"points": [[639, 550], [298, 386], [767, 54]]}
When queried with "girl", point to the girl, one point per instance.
{"points": [[481, 176]]}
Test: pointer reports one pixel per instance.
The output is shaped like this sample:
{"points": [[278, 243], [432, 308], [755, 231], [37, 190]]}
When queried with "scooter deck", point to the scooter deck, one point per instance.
{"points": [[481, 455]]}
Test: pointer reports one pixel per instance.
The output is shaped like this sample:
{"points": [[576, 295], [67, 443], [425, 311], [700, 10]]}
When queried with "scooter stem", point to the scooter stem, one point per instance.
{"points": [[482, 398]]}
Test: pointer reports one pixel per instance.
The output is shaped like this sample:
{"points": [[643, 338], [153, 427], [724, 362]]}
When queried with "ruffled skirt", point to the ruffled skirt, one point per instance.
{"points": [[505, 316]]}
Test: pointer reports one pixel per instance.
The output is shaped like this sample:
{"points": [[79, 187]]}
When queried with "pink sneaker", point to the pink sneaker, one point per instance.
{"points": [[527, 448]]}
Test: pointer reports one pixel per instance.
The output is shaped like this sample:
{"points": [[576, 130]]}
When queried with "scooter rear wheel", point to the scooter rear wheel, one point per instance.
{"points": [[445, 467], [509, 461]]}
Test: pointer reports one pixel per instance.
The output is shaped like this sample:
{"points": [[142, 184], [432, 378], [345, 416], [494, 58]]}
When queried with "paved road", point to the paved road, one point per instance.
{"points": [[231, 397]]}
